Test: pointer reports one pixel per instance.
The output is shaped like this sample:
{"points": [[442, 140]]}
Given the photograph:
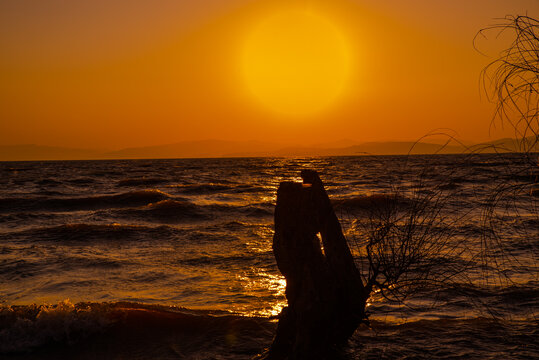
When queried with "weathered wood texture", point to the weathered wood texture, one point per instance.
{"points": [[326, 297]]}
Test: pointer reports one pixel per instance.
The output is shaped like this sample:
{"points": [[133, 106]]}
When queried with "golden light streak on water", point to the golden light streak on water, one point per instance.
{"points": [[264, 282]]}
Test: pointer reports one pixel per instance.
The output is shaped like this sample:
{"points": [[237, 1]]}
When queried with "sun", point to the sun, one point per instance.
{"points": [[296, 63]]}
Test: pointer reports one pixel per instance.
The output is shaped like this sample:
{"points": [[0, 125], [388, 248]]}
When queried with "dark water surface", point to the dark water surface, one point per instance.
{"points": [[172, 258]]}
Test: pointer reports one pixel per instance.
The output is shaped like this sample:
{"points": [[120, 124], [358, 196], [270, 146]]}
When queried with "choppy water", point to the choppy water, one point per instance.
{"points": [[173, 259]]}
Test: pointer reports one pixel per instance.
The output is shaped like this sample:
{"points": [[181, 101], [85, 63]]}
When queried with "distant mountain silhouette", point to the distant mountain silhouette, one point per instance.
{"points": [[508, 145], [196, 149], [221, 148]]}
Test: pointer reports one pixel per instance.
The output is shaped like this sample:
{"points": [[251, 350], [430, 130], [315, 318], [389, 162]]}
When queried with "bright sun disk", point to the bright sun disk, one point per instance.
{"points": [[296, 63]]}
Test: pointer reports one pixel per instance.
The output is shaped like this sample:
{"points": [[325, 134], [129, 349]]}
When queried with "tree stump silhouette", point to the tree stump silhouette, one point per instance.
{"points": [[326, 297]]}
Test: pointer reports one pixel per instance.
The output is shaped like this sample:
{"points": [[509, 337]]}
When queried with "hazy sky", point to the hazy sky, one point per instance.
{"points": [[118, 73]]}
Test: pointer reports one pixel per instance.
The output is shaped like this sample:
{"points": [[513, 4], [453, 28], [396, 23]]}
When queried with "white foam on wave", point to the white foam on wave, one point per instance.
{"points": [[26, 327]]}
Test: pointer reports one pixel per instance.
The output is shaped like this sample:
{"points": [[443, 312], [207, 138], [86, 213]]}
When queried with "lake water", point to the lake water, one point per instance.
{"points": [[173, 258]]}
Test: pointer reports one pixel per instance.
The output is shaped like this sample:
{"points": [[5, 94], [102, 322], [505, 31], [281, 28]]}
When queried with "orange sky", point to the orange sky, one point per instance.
{"points": [[113, 74]]}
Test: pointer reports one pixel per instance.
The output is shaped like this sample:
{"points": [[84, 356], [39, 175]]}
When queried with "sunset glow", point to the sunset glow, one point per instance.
{"points": [[111, 75]]}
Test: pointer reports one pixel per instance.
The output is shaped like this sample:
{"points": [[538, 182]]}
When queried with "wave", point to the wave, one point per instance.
{"points": [[141, 331], [127, 199], [201, 189], [257, 210], [80, 181], [141, 181], [50, 193], [504, 301], [152, 201], [26, 217], [527, 294], [368, 202], [129, 329], [473, 338], [173, 209], [16, 169], [24, 328], [49, 182], [172, 205], [238, 225], [166, 211], [179, 211], [89, 232]]}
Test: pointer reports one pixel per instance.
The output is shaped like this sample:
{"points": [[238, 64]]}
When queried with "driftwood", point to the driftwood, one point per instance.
{"points": [[326, 297]]}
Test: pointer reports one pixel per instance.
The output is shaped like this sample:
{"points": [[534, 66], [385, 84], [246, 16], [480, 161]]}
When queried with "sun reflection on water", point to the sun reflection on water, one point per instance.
{"points": [[267, 287]]}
